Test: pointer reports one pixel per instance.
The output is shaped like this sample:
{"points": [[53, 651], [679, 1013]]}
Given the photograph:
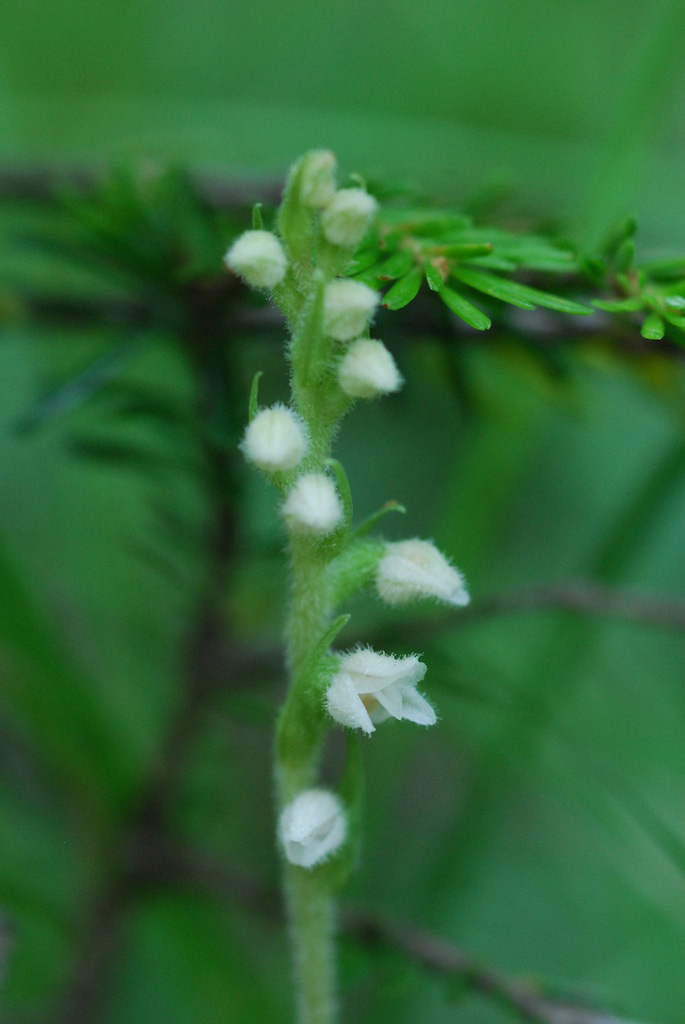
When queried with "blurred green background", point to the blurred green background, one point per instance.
{"points": [[577, 105], [540, 825]]}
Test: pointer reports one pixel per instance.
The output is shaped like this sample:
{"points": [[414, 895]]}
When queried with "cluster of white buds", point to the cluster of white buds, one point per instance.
{"points": [[259, 258], [412, 569], [313, 505], [367, 369], [276, 439], [370, 687], [347, 217], [348, 307], [312, 827]]}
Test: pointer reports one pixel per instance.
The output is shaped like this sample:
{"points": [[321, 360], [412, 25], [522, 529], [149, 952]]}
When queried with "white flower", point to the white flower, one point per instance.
{"points": [[259, 258], [370, 687], [347, 308], [412, 569], [276, 439], [346, 219], [368, 369], [311, 827], [317, 181], [313, 505]]}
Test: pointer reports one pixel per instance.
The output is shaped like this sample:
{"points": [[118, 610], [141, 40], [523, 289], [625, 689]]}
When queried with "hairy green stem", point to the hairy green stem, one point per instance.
{"points": [[308, 895], [302, 728], [312, 920]]}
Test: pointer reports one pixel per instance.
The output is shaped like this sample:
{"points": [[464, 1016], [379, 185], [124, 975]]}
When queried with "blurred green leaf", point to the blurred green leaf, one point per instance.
{"points": [[622, 232], [404, 290], [631, 305], [517, 294], [625, 257], [464, 309], [433, 276], [398, 265], [82, 387], [652, 327]]}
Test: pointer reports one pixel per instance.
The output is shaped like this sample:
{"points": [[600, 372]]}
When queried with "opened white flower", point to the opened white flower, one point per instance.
{"points": [[313, 505], [347, 309], [259, 258], [317, 181], [368, 369], [413, 569], [370, 687], [276, 439], [346, 219], [312, 827]]}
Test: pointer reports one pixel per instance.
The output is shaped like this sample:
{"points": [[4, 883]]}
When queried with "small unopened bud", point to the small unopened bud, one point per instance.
{"points": [[276, 439], [317, 180], [259, 258], [313, 505], [413, 569], [368, 370], [347, 309], [312, 827], [347, 217]]}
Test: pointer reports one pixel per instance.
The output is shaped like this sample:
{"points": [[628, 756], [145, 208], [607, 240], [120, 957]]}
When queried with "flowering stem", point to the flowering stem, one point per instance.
{"points": [[300, 735], [333, 363], [302, 728], [311, 912]]}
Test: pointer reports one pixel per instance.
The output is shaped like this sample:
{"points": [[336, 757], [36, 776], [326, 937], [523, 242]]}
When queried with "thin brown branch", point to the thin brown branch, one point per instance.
{"points": [[102, 932], [6, 944], [580, 596], [44, 183], [163, 866], [442, 957], [585, 597]]}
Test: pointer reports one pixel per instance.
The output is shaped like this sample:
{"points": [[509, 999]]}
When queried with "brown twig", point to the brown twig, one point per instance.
{"points": [[581, 596], [164, 866], [44, 184], [101, 933], [442, 957], [6, 944]]}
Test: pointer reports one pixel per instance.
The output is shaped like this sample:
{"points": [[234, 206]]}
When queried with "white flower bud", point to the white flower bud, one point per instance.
{"points": [[370, 687], [259, 258], [412, 569], [317, 180], [276, 439], [313, 505], [346, 219], [347, 309], [312, 827], [368, 370]]}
